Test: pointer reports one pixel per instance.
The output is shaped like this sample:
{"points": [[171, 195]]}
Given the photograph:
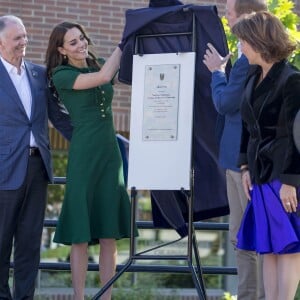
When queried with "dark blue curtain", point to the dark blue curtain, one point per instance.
{"points": [[169, 208]]}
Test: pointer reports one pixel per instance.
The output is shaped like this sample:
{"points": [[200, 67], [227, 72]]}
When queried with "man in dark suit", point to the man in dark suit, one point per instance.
{"points": [[25, 159]]}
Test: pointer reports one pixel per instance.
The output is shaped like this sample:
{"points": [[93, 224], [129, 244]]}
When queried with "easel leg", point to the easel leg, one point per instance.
{"points": [[194, 253]]}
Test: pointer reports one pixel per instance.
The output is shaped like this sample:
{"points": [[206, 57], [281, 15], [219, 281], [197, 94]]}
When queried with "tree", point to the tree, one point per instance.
{"points": [[283, 9]]}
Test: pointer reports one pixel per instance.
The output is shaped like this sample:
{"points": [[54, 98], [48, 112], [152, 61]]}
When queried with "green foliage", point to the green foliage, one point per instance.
{"points": [[231, 40], [283, 9], [134, 293], [60, 159], [56, 192], [227, 296]]}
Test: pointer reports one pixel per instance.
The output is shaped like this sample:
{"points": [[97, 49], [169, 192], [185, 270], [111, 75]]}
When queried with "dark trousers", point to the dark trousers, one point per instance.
{"points": [[21, 225]]}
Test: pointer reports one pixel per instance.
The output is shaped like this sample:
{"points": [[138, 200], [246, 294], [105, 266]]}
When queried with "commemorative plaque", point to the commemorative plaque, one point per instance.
{"points": [[161, 95]]}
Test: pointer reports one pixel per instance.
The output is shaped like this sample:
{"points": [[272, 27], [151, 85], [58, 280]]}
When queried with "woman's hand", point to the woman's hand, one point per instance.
{"points": [[288, 196], [246, 181]]}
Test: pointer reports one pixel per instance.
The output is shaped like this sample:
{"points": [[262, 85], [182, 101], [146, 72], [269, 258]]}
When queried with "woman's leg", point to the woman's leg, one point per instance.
{"points": [[249, 266], [270, 273], [107, 264], [79, 259], [288, 275]]}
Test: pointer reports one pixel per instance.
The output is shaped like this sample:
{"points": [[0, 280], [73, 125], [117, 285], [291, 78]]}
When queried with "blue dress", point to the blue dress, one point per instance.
{"points": [[266, 226]]}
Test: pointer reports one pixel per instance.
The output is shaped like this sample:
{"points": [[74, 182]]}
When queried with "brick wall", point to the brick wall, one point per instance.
{"points": [[103, 19]]}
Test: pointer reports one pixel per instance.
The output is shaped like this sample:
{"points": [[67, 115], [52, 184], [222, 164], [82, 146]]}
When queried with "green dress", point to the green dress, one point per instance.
{"points": [[96, 203]]}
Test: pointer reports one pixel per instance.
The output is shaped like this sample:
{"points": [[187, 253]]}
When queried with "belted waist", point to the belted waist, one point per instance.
{"points": [[34, 151]]}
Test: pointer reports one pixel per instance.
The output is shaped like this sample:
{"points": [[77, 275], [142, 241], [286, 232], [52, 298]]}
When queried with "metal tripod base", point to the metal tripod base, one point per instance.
{"points": [[192, 257]]}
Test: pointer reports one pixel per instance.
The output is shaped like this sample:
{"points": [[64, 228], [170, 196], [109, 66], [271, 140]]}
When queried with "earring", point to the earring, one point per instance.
{"points": [[65, 57]]}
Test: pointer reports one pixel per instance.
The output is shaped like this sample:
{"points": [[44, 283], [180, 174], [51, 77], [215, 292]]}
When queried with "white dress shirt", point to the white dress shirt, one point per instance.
{"points": [[239, 49]]}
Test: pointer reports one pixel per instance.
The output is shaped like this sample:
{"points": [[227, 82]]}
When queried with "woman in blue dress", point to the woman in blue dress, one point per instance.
{"points": [[269, 160]]}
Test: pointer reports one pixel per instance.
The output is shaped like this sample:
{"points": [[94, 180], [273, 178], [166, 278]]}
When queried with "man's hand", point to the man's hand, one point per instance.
{"points": [[213, 60]]}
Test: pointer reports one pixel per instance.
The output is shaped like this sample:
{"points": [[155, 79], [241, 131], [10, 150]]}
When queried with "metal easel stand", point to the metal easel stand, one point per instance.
{"points": [[192, 256]]}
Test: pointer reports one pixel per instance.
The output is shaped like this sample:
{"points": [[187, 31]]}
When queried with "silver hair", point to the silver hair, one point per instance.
{"points": [[4, 20]]}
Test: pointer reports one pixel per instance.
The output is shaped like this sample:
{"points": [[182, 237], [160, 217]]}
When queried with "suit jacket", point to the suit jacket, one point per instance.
{"points": [[227, 98], [268, 112], [15, 126]]}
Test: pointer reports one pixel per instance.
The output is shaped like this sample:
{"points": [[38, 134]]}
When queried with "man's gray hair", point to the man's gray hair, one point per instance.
{"points": [[4, 20]]}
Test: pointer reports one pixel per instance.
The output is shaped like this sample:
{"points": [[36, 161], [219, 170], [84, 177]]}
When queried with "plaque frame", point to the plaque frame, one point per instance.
{"points": [[162, 164]]}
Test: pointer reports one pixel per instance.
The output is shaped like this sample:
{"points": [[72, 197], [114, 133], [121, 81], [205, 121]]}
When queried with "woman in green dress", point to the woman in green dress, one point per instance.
{"points": [[96, 206]]}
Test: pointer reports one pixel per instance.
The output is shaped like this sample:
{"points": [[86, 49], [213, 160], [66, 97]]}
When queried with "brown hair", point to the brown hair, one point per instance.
{"points": [[247, 6], [53, 57], [265, 33]]}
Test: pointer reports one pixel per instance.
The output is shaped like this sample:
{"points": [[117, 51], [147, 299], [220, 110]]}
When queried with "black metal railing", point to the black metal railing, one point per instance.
{"points": [[209, 270], [153, 268], [198, 226]]}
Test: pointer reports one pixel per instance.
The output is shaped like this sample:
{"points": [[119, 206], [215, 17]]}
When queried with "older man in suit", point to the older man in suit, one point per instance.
{"points": [[25, 159]]}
